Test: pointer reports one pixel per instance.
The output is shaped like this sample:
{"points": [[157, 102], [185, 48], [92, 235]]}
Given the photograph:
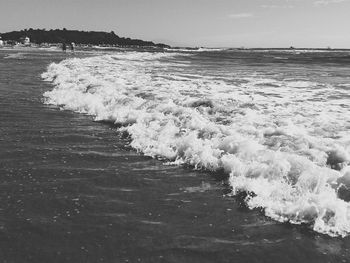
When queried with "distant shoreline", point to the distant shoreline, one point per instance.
{"points": [[47, 37], [84, 47]]}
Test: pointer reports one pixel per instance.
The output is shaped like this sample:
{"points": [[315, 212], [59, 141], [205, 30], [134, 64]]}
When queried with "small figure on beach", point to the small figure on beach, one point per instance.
{"points": [[64, 47], [72, 46]]}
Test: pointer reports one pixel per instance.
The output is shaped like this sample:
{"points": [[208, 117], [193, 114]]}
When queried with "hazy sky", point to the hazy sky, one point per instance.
{"points": [[228, 23]]}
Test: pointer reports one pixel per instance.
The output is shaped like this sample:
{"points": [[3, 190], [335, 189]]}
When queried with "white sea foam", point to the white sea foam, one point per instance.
{"points": [[281, 140], [201, 49]]}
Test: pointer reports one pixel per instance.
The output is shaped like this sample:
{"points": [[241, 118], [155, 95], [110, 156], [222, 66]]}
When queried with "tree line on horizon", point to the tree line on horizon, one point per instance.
{"points": [[39, 36]]}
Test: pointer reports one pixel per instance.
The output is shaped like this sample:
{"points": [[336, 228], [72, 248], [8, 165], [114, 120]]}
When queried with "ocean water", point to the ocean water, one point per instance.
{"points": [[174, 156]]}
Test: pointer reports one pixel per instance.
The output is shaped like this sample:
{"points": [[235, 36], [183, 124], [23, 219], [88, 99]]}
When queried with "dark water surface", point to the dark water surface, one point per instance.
{"points": [[72, 191]]}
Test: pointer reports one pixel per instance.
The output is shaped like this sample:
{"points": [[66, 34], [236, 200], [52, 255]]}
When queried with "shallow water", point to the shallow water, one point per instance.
{"points": [[73, 190]]}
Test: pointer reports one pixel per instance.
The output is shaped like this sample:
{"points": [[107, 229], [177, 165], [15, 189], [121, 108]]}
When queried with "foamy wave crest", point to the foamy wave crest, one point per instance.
{"points": [[288, 150]]}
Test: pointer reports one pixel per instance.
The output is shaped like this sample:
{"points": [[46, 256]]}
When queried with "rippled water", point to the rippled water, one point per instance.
{"points": [[75, 190]]}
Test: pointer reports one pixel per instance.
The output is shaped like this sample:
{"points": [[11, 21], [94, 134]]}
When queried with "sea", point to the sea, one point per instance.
{"points": [[175, 155]]}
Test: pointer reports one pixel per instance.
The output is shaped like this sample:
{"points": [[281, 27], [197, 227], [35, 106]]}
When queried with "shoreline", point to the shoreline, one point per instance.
{"points": [[57, 48]]}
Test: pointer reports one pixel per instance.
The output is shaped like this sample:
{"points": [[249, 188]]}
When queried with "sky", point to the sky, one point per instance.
{"points": [[209, 23]]}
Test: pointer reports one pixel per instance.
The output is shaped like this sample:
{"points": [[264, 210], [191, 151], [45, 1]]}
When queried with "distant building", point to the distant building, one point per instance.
{"points": [[25, 40]]}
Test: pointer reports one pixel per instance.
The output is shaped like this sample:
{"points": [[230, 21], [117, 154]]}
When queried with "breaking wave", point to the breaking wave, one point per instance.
{"points": [[282, 141]]}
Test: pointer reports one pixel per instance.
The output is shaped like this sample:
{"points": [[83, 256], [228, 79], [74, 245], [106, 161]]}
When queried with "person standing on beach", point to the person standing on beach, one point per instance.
{"points": [[64, 47], [72, 46]]}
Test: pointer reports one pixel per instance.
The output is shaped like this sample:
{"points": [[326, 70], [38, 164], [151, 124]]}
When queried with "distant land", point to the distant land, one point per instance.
{"points": [[40, 36]]}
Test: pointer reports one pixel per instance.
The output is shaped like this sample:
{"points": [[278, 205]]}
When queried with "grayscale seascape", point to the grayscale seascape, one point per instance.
{"points": [[209, 155], [187, 131]]}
